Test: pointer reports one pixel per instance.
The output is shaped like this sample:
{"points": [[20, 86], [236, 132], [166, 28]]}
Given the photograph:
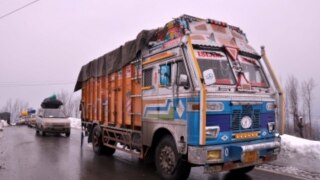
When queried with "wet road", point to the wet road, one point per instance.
{"points": [[26, 156]]}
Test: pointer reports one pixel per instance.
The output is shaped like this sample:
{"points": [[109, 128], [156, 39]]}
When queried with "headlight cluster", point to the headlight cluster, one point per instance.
{"points": [[212, 131], [271, 127], [271, 106]]}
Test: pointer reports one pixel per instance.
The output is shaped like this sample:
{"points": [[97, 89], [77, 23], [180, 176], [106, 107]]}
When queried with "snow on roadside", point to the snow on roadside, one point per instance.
{"points": [[75, 123], [299, 153], [3, 124]]}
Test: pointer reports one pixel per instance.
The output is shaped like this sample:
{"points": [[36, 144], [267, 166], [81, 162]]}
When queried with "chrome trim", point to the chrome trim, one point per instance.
{"points": [[198, 155], [256, 147], [235, 103]]}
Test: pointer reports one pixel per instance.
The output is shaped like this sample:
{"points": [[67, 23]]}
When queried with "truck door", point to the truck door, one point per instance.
{"points": [[173, 86]]}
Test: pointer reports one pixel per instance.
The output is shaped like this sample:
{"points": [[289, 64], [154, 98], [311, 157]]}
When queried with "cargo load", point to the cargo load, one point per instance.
{"points": [[51, 102]]}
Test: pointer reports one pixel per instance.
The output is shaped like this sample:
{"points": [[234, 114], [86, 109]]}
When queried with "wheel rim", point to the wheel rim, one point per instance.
{"points": [[167, 160], [95, 139]]}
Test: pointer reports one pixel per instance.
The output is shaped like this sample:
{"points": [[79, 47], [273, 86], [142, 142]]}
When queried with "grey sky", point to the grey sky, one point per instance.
{"points": [[49, 41]]}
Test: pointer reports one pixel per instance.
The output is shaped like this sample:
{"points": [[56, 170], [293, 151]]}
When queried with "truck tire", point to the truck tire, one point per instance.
{"points": [[68, 134], [243, 170], [97, 144], [169, 163]]}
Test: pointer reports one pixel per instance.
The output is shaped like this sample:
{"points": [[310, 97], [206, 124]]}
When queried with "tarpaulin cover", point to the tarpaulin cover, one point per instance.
{"points": [[51, 102], [114, 60]]}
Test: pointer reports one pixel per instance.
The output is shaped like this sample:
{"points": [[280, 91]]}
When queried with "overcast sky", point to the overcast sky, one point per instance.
{"points": [[43, 46]]}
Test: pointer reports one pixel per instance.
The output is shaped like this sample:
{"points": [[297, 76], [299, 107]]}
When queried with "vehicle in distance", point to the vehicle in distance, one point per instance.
{"points": [[31, 120], [52, 121]]}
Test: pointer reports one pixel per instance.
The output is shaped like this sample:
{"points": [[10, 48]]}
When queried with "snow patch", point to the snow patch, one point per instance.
{"points": [[299, 153], [294, 146], [75, 123], [3, 124]]}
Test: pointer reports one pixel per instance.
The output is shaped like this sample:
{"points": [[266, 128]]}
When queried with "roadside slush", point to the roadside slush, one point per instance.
{"points": [[1, 149]]}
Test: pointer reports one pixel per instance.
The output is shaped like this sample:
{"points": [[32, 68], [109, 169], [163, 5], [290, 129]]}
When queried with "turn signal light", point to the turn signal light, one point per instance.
{"points": [[195, 106]]}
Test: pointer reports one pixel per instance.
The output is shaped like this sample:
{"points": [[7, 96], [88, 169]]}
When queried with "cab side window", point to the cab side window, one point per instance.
{"points": [[165, 75], [147, 77]]}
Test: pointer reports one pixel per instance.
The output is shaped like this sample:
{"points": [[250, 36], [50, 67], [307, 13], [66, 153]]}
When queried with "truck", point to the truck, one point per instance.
{"points": [[191, 93]]}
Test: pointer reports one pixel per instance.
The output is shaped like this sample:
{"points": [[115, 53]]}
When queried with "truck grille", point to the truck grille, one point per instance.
{"points": [[246, 111]]}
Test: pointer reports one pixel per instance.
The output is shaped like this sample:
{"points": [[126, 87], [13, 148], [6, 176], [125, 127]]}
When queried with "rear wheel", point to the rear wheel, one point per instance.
{"points": [[97, 144], [169, 163], [68, 134], [243, 170]]}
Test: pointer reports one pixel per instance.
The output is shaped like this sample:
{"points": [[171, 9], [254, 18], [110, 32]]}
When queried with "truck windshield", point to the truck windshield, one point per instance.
{"points": [[54, 113], [253, 72], [217, 61]]}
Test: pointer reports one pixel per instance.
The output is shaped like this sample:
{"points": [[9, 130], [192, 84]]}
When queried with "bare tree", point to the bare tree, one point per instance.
{"points": [[15, 108], [76, 110], [288, 123], [307, 88], [65, 97], [292, 90], [8, 106]]}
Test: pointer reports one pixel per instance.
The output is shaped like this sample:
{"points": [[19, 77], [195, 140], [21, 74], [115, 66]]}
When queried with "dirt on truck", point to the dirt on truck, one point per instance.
{"points": [[192, 93]]}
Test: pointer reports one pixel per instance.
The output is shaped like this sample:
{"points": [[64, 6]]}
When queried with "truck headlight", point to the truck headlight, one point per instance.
{"points": [[271, 106], [212, 131], [271, 126]]}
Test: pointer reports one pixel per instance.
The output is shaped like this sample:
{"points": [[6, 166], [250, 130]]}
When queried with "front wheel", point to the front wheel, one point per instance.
{"points": [[169, 163]]}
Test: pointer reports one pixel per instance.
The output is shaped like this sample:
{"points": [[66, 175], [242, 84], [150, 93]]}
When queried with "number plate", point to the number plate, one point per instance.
{"points": [[250, 156]]}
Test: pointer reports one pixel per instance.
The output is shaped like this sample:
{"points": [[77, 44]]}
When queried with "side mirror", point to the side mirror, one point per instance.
{"points": [[183, 81]]}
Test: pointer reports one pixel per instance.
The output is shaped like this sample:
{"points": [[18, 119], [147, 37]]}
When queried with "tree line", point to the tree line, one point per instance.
{"points": [[70, 106], [298, 108]]}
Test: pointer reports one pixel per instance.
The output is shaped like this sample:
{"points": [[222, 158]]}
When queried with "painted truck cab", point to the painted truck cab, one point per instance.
{"points": [[192, 93], [224, 114]]}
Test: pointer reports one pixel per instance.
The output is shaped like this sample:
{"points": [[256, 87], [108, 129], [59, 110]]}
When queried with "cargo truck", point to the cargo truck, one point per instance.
{"points": [[192, 93]]}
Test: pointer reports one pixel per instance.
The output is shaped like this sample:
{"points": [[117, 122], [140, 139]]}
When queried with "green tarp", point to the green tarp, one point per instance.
{"points": [[116, 59]]}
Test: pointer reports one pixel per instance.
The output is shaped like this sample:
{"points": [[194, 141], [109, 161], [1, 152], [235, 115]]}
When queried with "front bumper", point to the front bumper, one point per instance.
{"points": [[57, 129], [235, 155]]}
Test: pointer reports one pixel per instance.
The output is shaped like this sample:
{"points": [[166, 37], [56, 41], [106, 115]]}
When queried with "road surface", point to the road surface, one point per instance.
{"points": [[25, 155]]}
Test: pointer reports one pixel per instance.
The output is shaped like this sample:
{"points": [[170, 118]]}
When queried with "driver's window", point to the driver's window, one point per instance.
{"points": [[40, 113], [165, 75]]}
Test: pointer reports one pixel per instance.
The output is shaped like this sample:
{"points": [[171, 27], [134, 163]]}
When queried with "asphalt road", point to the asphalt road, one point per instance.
{"points": [[26, 156]]}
